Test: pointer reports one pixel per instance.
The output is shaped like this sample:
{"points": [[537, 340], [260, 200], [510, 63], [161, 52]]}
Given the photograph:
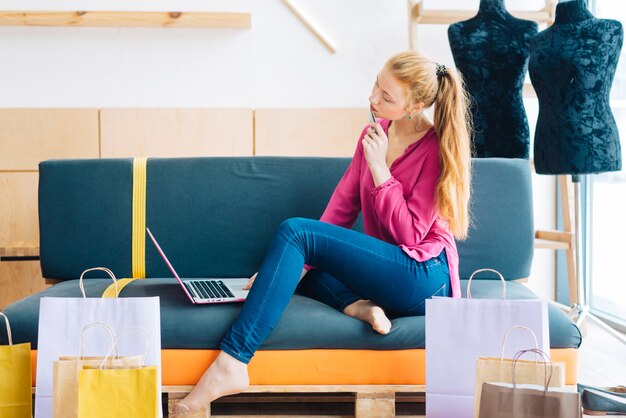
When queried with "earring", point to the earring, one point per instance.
{"points": [[410, 117]]}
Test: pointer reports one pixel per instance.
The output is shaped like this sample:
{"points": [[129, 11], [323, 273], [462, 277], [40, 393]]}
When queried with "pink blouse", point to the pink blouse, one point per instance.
{"points": [[401, 211]]}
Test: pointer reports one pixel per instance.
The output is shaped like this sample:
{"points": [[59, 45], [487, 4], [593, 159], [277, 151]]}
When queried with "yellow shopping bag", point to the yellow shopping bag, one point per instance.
{"points": [[15, 379], [120, 392], [65, 373]]}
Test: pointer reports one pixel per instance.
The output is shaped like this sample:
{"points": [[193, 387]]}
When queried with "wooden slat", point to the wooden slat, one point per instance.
{"points": [[308, 132], [377, 389], [176, 132], [28, 136], [558, 236], [132, 19]]}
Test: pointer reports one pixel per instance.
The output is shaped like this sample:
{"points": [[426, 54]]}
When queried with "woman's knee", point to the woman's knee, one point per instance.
{"points": [[294, 226]]}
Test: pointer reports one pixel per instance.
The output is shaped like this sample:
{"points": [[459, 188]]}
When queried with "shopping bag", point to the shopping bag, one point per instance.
{"points": [[65, 373], [118, 391], [514, 400], [61, 321], [499, 369], [15, 378], [459, 331]]}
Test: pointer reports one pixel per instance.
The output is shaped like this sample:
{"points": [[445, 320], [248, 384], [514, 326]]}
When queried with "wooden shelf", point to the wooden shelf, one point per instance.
{"points": [[447, 17], [20, 249], [418, 14], [130, 19]]}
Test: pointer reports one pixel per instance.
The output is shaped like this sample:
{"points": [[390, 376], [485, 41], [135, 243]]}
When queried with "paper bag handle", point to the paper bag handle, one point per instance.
{"points": [[106, 270], [112, 347], [469, 282], [545, 364], [130, 330], [6, 319], [507, 335]]}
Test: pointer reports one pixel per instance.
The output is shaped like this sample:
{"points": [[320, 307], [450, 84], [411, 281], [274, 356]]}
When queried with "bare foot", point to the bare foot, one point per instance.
{"points": [[367, 311], [226, 376]]}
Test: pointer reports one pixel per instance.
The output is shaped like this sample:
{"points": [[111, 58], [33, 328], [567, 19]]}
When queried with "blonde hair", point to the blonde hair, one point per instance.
{"points": [[426, 83]]}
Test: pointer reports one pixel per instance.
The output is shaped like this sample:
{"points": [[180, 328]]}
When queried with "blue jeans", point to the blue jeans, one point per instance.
{"points": [[349, 266]]}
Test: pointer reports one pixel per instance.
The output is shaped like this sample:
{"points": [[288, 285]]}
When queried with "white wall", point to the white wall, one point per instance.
{"points": [[275, 63]]}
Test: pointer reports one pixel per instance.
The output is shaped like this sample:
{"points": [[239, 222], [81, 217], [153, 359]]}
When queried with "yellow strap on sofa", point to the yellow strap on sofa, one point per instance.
{"points": [[138, 228], [109, 292], [139, 218]]}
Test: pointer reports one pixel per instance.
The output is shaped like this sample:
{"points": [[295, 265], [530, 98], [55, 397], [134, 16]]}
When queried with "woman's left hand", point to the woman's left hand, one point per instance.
{"points": [[375, 144]]}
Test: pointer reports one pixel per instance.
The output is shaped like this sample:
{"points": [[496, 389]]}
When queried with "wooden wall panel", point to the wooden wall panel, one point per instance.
{"points": [[18, 208], [175, 132], [28, 136], [19, 279], [308, 132], [19, 222]]}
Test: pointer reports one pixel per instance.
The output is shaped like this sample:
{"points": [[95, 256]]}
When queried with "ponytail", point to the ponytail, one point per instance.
{"points": [[453, 125]]}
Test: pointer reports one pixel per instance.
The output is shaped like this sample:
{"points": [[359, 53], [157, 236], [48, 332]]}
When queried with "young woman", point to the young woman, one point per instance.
{"points": [[410, 178]]}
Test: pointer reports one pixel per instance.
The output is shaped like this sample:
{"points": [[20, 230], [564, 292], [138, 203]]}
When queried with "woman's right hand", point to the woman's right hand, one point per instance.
{"points": [[250, 281]]}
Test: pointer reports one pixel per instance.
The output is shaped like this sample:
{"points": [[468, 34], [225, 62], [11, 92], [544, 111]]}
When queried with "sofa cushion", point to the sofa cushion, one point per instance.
{"points": [[215, 217], [305, 324]]}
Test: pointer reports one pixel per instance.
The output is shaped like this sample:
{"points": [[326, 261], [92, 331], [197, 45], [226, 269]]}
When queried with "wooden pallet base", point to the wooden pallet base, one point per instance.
{"points": [[370, 401]]}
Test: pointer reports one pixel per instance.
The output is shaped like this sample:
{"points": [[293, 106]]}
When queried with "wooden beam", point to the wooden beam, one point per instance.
{"points": [[326, 41], [131, 19]]}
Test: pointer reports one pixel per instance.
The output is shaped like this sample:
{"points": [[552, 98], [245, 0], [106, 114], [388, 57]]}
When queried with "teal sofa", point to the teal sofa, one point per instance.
{"points": [[214, 217]]}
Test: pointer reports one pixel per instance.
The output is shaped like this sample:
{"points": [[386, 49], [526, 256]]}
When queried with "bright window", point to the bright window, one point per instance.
{"points": [[607, 203]]}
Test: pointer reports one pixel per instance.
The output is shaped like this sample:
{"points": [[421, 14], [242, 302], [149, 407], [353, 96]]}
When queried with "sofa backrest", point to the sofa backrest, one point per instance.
{"points": [[215, 216]]}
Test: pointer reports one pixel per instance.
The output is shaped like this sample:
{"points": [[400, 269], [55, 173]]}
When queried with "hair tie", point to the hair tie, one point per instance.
{"points": [[441, 70]]}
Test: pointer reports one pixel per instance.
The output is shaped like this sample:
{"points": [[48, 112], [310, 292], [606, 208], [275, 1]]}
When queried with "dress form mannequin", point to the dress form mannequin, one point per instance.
{"points": [[572, 65], [491, 51]]}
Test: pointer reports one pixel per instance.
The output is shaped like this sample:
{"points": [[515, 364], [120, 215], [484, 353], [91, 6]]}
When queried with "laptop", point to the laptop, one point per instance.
{"points": [[203, 291]]}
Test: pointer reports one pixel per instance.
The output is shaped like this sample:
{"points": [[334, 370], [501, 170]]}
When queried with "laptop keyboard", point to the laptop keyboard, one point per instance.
{"points": [[211, 289]]}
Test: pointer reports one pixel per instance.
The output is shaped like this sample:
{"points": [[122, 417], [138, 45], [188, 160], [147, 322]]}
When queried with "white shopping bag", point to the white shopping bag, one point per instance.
{"points": [[459, 331], [61, 322]]}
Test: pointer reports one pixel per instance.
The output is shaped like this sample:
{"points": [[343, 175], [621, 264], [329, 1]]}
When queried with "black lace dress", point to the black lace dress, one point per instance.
{"points": [[491, 51], [572, 65]]}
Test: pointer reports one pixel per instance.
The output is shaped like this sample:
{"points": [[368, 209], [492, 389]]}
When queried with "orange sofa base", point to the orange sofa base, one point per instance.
{"points": [[321, 367]]}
